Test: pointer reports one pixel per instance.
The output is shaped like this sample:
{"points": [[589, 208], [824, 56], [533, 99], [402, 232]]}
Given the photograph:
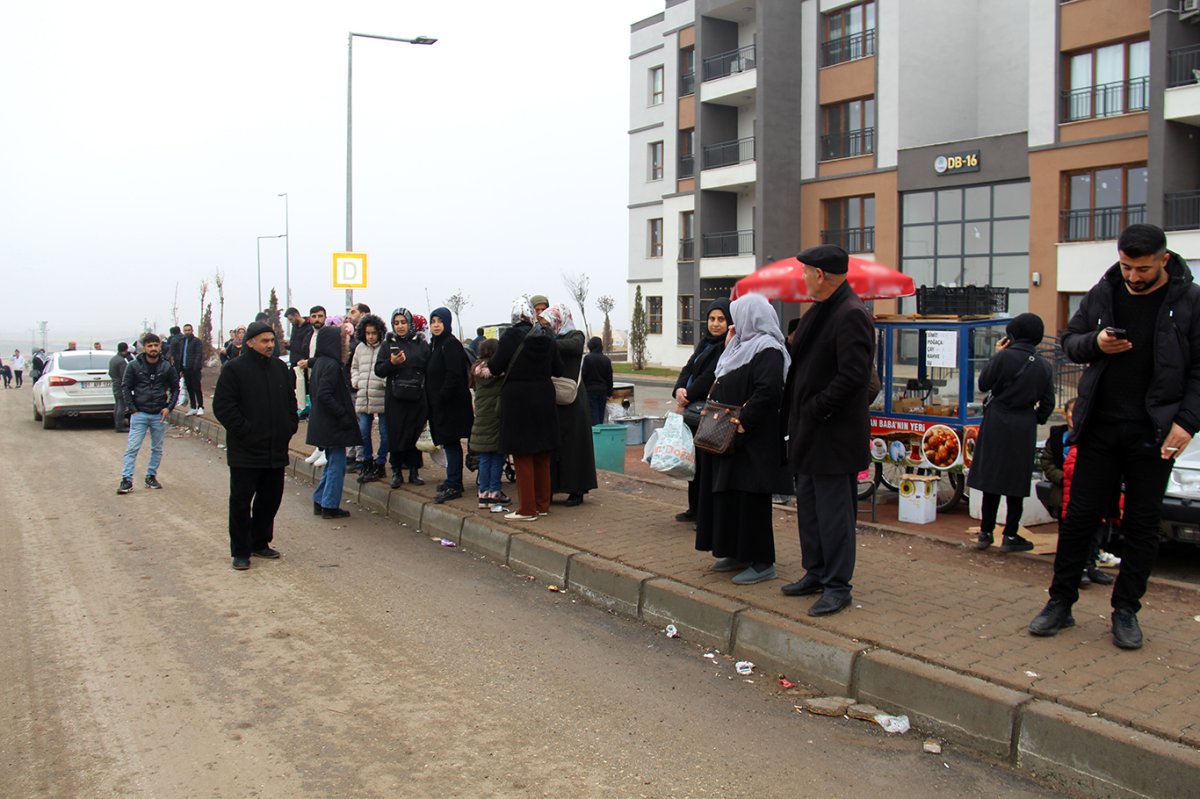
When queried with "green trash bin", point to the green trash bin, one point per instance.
{"points": [[608, 442]]}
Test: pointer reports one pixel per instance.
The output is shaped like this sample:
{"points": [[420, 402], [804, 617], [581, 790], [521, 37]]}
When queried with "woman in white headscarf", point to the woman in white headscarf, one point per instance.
{"points": [[734, 515], [573, 465]]}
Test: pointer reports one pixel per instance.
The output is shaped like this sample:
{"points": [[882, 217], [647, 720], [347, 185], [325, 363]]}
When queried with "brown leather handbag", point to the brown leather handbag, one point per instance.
{"points": [[718, 427]]}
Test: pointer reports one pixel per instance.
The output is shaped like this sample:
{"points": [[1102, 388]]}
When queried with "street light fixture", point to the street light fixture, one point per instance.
{"points": [[350, 138], [287, 254], [258, 244]]}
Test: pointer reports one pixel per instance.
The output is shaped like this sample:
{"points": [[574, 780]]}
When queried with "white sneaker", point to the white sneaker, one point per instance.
{"points": [[190, 413], [199, 411], [1106, 559], [321, 459], [312, 458]]}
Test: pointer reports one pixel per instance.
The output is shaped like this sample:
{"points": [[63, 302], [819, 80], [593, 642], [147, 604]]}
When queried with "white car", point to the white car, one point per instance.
{"points": [[1181, 502], [75, 382]]}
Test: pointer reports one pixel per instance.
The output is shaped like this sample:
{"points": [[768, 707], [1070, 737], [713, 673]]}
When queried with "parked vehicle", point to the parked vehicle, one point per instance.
{"points": [[74, 383], [1181, 502]]}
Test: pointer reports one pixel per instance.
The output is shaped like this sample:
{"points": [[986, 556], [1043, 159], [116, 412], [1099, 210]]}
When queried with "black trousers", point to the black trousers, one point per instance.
{"points": [[991, 506], [254, 497], [1112, 453], [120, 423], [191, 382], [826, 510]]}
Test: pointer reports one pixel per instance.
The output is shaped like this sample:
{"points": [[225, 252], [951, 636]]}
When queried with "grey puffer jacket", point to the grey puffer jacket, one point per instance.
{"points": [[372, 389]]}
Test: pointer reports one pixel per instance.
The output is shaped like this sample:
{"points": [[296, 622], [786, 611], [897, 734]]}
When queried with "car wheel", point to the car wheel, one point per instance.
{"points": [[37, 417], [49, 423]]}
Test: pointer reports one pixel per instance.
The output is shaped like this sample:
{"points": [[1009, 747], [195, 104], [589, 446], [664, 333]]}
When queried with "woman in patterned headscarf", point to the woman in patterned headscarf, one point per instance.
{"points": [[573, 465], [402, 361]]}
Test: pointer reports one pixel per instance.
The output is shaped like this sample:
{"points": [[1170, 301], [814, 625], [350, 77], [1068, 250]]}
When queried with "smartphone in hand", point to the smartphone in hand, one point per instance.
{"points": [[1117, 332]]}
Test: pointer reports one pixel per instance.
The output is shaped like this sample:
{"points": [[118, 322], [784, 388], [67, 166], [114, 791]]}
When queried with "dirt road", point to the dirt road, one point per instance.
{"points": [[368, 662]]}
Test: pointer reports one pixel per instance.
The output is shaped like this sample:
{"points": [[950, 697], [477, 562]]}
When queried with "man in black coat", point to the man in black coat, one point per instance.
{"points": [[255, 400], [826, 409], [190, 360], [116, 373], [1138, 330]]}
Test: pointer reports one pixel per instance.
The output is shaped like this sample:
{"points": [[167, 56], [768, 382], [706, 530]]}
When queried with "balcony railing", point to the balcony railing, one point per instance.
{"points": [[727, 153], [851, 239], [848, 48], [686, 332], [847, 144], [687, 166], [728, 244], [722, 65], [687, 83], [1106, 100], [687, 250], [1183, 66], [1100, 224], [1181, 210]]}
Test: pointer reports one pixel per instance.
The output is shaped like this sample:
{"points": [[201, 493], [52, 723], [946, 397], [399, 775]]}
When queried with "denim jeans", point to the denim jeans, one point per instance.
{"points": [[491, 466], [454, 463], [139, 423], [364, 429], [328, 493]]}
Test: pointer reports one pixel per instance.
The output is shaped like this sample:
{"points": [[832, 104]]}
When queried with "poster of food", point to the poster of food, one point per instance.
{"points": [[918, 444]]}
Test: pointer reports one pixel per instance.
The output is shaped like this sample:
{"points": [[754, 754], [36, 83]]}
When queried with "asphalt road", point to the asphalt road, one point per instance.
{"points": [[368, 662]]}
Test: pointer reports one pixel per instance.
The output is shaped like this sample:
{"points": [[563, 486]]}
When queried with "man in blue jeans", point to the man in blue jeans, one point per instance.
{"points": [[150, 388]]}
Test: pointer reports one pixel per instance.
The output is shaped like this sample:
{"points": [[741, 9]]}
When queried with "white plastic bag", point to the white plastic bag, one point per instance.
{"points": [[425, 441], [674, 453], [648, 450]]}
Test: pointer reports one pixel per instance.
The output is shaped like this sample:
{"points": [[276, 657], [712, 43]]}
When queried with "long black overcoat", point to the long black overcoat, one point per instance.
{"points": [[573, 469], [450, 414], [754, 466], [406, 418], [332, 422], [528, 420]]}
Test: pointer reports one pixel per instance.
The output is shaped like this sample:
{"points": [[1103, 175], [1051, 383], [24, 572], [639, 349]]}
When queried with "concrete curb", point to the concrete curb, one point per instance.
{"points": [[1055, 742]]}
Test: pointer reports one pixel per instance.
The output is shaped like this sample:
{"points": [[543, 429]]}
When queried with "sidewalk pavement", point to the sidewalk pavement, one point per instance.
{"points": [[935, 631]]}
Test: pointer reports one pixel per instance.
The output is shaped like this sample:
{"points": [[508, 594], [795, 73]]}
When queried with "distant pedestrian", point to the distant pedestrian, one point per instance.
{"points": [[234, 348], [402, 361], [151, 388], [255, 401], [191, 360], [450, 414], [473, 347], [40, 359], [1137, 409], [597, 379], [332, 423], [1021, 383], [6, 373], [828, 426], [116, 373], [18, 366], [171, 346], [573, 465], [485, 432]]}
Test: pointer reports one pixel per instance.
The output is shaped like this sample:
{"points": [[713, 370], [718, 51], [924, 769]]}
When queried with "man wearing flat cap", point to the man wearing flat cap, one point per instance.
{"points": [[255, 400], [825, 408]]}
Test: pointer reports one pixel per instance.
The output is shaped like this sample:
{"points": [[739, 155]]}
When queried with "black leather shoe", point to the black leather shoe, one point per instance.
{"points": [[397, 479], [1015, 543], [317, 509], [1098, 577], [1126, 631], [574, 500], [415, 478], [241, 564], [334, 513], [829, 604], [984, 541], [266, 552], [446, 494], [808, 584], [686, 516], [1054, 617]]}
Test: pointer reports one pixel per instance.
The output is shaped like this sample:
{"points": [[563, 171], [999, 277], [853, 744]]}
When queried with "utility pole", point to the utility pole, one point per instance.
{"points": [[43, 327]]}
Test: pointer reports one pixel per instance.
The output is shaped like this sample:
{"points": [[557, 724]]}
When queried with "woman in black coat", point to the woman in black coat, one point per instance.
{"points": [[527, 358], [332, 422], [450, 414], [734, 518], [573, 465], [402, 361], [693, 384], [1021, 383]]}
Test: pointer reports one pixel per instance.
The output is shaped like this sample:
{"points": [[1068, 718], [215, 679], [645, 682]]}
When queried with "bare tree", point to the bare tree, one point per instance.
{"points": [[219, 279], [606, 303], [578, 287], [175, 307], [203, 294], [456, 302]]}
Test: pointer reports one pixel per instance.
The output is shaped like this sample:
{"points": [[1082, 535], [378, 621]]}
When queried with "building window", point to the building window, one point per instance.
{"points": [[687, 236], [654, 315], [686, 329], [656, 85], [656, 160], [849, 34], [654, 235], [1099, 203], [687, 153], [850, 223], [687, 71], [849, 129], [1107, 81]]}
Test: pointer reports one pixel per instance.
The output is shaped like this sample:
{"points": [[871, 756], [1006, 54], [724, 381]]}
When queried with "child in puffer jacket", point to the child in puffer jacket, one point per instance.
{"points": [[485, 432], [369, 401]]}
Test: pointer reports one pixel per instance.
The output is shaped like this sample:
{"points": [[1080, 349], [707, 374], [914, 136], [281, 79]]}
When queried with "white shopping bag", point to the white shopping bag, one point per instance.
{"points": [[674, 453]]}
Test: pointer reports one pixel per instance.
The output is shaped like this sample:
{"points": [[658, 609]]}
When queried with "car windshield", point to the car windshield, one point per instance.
{"points": [[83, 361]]}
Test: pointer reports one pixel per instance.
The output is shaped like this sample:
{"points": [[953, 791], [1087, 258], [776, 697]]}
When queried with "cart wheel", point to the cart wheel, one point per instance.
{"points": [[889, 474], [950, 490], [866, 486]]}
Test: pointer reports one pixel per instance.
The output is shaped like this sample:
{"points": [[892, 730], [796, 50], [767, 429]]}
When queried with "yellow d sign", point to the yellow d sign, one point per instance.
{"points": [[349, 270]]}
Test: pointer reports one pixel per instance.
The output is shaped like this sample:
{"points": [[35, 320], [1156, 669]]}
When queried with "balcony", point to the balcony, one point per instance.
{"points": [[687, 84], [1181, 100], [847, 144], [687, 250], [1183, 66], [687, 166], [1100, 224], [1106, 100], [728, 153], [731, 62], [848, 48], [851, 239], [1181, 210], [728, 244]]}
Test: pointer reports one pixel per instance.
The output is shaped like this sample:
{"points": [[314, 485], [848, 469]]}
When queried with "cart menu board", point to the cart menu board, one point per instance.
{"points": [[941, 348]]}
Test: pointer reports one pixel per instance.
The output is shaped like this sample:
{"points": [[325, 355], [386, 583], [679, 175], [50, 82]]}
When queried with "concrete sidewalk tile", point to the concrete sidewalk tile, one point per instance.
{"points": [[374, 496], [351, 488], [546, 560], [405, 507], [699, 615], [803, 652], [479, 536], [1103, 758], [220, 436], [442, 520], [608, 584], [305, 471], [957, 707]]}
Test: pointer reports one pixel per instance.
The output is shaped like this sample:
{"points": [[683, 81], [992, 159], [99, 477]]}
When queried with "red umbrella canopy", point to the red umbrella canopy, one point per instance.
{"points": [[784, 280]]}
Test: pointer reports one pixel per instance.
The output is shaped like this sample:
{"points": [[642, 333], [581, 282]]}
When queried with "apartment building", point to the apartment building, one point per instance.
{"points": [[962, 141]]}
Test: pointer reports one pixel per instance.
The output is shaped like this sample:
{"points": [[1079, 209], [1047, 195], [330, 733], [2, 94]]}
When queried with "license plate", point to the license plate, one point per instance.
{"points": [[99, 384]]}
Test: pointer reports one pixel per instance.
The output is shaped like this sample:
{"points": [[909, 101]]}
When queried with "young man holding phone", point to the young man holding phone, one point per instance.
{"points": [[1138, 330]]}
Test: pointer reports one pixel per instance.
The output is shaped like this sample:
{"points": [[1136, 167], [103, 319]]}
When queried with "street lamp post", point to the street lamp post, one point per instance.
{"points": [[287, 253], [350, 138], [258, 245]]}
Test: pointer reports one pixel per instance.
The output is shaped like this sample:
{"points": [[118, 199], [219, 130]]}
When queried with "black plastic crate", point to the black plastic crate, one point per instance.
{"points": [[961, 300]]}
